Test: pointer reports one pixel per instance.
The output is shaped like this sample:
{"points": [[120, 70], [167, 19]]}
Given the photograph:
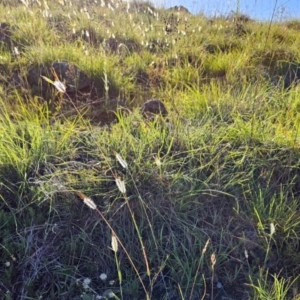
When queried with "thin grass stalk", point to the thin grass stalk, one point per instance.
{"points": [[127, 254], [115, 249], [213, 262], [159, 271], [198, 266], [105, 78], [139, 235], [268, 241], [180, 291], [125, 166], [204, 292], [271, 21], [150, 225], [121, 244]]}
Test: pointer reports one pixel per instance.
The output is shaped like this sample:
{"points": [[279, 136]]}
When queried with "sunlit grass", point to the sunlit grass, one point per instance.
{"points": [[200, 204]]}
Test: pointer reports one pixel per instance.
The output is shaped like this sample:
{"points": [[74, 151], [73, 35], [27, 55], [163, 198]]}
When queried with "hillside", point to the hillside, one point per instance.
{"points": [[147, 153]]}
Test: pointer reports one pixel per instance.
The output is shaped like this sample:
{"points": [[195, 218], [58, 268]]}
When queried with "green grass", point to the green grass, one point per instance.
{"points": [[210, 203]]}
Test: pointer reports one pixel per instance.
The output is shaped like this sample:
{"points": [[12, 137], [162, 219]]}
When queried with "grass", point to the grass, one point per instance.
{"points": [[98, 202]]}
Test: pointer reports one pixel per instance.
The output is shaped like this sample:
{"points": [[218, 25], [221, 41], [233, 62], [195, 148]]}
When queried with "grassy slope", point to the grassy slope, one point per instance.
{"points": [[203, 188]]}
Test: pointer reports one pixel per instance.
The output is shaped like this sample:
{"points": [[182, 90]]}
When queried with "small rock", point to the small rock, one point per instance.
{"points": [[74, 78], [5, 34], [179, 8], [291, 74], [154, 107]]}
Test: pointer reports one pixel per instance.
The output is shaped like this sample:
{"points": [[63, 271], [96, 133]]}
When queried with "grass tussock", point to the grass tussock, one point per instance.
{"points": [[99, 200]]}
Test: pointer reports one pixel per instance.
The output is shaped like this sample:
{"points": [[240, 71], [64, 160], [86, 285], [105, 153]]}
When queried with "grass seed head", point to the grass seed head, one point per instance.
{"points": [[205, 247], [60, 86], [272, 229], [158, 161], [122, 162], [88, 201], [114, 243], [121, 185], [213, 260]]}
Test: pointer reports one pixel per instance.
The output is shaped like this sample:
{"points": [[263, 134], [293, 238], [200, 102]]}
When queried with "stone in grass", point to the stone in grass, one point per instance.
{"points": [[72, 76], [153, 107], [179, 8], [5, 34], [291, 74]]}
